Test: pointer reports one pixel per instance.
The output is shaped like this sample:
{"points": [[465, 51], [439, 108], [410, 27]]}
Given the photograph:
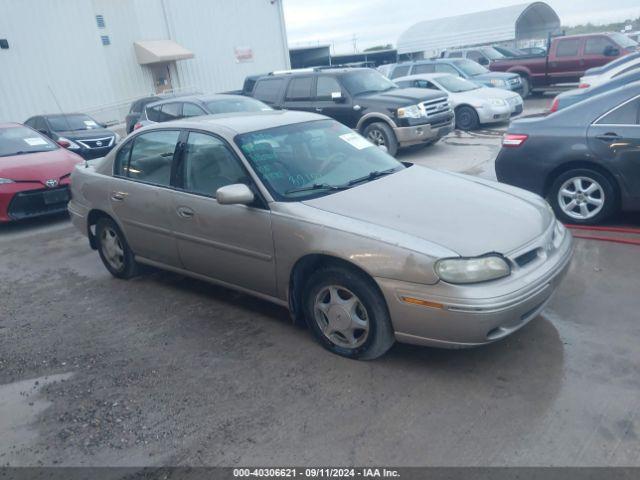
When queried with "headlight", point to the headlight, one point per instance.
{"points": [[496, 82], [472, 270], [497, 102], [5, 180], [412, 111], [66, 143]]}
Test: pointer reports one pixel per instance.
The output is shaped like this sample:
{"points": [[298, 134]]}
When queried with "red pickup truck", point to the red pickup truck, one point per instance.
{"points": [[567, 59]]}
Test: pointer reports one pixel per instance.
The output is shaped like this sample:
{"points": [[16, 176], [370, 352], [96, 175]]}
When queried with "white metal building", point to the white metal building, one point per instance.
{"points": [[96, 56], [518, 25]]}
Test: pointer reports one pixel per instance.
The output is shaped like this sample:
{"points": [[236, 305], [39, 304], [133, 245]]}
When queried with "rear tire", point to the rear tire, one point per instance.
{"points": [[583, 196], [347, 314], [379, 133], [467, 118], [114, 250]]}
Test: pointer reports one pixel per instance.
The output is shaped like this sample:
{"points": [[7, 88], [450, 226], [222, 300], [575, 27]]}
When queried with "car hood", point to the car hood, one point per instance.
{"points": [[482, 94], [86, 134], [486, 77], [466, 215], [39, 167], [404, 96]]}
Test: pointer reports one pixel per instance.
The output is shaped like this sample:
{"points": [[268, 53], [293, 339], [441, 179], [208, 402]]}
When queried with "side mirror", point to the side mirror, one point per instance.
{"points": [[236, 194], [611, 51], [483, 61], [337, 97]]}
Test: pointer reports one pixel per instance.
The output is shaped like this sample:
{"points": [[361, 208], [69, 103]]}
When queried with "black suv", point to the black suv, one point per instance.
{"points": [[362, 99]]}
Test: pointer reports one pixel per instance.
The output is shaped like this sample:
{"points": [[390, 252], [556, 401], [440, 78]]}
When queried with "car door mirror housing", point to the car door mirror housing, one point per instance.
{"points": [[611, 51], [236, 194]]}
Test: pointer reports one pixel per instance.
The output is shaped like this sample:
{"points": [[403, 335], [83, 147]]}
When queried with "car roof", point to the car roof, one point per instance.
{"points": [[196, 99], [241, 122], [423, 76]]}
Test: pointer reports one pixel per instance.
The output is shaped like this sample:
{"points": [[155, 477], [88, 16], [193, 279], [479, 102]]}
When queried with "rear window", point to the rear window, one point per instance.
{"points": [[268, 90], [568, 48], [23, 140]]}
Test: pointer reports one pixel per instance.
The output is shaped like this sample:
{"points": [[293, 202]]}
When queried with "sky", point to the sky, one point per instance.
{"points": [[375, 22]]}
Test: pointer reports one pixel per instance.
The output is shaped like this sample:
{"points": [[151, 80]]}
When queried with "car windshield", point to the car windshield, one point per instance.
{"points": [[311, 159], [456, 84], [235, 104], [367, 81], [471, 68], [22, 140], [61, 123], [623, 40]]}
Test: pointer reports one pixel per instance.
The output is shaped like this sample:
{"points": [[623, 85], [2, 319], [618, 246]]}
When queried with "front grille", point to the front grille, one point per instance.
{"points": [[96, 142], [527, 258], [34, 203], [435, 107]]}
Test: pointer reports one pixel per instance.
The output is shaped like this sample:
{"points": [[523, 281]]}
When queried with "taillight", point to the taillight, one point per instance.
{"points": [[554, 105], [513, 139], [63, 143], [137, 126], [584, 85]]}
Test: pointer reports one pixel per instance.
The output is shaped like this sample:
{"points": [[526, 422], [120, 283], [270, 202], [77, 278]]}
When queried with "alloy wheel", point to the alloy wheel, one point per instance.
{"points": [[581, 198], [341, 316], [376, 137], [112, 248]]}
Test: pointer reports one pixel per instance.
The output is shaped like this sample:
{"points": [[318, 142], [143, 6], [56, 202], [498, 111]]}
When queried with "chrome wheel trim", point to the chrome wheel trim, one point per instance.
{"points": [[112, 248], [341, 316], [581, 198], [376, 137]]}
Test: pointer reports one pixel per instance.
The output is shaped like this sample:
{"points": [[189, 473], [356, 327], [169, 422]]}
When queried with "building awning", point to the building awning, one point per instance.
{"points": [[157, 51]]}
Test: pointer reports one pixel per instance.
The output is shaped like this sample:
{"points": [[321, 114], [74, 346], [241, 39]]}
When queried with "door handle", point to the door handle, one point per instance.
{"points": [[119, 196], [318, 109], [609, 137], [185, 212]]}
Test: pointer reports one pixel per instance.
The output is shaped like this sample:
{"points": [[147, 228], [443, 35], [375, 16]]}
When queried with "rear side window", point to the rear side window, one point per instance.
{"points": [[151, 157], [568, 48], [424, 68], [454, 55], [299, 89], [400, 71], [268, 90], [597, 45], [625, 114], [326, 86]]}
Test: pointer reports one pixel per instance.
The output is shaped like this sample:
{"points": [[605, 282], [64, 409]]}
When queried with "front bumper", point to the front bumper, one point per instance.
{"points": [[19, 201], [417, 134], [487, 313], [493, 114]]}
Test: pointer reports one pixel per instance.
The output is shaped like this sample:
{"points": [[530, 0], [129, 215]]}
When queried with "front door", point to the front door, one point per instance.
{"points": [[140, 194], [229, 243], [615, 139], [328, 103]]}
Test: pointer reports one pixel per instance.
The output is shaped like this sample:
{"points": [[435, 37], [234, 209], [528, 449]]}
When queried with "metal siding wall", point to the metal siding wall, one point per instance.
{"points": [[213, 28], [55, 47]]}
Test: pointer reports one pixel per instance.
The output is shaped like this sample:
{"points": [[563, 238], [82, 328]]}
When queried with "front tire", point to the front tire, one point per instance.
{"points": [[467, 118], [114, 250], [347, 313], [583, 196], [381, 134], [526, 86]]}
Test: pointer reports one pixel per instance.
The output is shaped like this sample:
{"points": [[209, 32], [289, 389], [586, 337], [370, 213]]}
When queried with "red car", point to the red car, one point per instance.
{"points": [[34, 173]]}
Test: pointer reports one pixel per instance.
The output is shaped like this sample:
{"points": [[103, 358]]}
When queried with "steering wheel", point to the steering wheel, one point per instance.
{"points": [[333, 159]]}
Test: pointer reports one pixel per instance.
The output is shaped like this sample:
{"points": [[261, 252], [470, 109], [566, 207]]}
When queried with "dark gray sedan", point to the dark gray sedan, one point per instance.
{"points": [[585, 159]]}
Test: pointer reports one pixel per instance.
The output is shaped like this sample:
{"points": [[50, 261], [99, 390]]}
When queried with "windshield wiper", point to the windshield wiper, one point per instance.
{"points": [[371, 176], [316, 186]]}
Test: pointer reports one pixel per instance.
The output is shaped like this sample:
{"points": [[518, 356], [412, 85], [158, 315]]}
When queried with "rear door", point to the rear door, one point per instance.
{"points": [[141, 194], [615, 140], [230, 243], [298, 95], [565, 62]]}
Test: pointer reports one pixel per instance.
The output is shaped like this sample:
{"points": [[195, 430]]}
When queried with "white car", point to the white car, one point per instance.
{"points": [[474, 105], [620, 68]]}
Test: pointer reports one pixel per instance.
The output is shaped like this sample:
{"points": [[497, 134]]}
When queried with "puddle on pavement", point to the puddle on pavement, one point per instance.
{"points": [[20, 405]]}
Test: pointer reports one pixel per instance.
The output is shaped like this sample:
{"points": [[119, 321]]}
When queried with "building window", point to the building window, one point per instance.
{"points": [[105, 40], [100, 21]]}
